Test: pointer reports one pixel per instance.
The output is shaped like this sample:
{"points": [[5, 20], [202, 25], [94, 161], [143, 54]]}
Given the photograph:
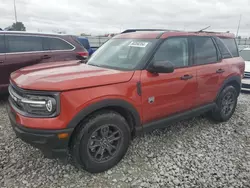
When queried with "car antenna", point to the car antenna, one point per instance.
{"points": [[204, 29]]}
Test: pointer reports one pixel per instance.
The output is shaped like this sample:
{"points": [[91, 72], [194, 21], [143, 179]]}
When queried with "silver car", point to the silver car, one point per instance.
{"points": [[245, 54]]}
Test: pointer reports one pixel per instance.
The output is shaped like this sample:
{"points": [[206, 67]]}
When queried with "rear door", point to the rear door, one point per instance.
{"points": [[21, 51], [210, 68], [60, 49]]}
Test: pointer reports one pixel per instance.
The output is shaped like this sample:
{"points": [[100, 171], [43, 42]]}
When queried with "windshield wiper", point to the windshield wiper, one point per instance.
{"points": [[96, 65]]}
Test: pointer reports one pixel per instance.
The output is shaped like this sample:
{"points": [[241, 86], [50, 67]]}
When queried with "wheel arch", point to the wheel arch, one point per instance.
{"points": [[124, 108], [232, 80]]}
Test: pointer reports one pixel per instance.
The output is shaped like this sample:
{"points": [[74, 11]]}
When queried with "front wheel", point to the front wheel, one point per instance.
{"points": [[226, 104], [101, 142]]}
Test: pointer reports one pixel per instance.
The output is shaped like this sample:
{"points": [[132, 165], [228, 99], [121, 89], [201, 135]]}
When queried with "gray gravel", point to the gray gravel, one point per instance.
{"points": [[193, 153]]}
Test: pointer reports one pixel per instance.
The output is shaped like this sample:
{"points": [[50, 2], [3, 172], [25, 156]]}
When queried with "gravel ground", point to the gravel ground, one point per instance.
{"points": [[193, 153]]}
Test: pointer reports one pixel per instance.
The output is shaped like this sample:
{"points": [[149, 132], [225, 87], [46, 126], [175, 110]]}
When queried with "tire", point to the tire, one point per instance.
{"points": [[220, 114], [90, 146]]}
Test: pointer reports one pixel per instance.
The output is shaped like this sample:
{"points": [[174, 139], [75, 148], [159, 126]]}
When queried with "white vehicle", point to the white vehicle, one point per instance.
{"points": [[245, 54]]}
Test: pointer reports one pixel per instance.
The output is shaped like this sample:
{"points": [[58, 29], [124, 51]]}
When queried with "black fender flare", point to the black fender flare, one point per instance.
{"points": [[105, 104], [227, 81]]}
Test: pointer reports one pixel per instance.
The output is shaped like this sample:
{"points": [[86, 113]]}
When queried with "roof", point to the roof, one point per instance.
{"points": [[32, 33], [153, 34]]}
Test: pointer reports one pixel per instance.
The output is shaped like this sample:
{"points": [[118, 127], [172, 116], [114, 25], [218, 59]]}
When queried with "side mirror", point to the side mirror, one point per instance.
{"points": [[161, 67]]}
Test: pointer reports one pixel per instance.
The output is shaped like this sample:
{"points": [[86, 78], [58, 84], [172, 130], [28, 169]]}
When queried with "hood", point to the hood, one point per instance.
{"points": [[247, 66], [59, 76]]}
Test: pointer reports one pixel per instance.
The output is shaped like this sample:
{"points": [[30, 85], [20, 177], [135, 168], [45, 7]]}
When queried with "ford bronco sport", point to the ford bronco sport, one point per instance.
{"points": [[135, 82]]}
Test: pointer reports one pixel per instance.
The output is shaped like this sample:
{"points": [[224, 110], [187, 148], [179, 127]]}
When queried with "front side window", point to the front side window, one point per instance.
{"points": [[58, 44], [23, 43], [204, 50], [124, 54], [174, 50], [2, 44], [245, 54]]}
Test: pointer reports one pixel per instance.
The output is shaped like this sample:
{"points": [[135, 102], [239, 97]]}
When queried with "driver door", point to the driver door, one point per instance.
{"points": [[164, 94]]}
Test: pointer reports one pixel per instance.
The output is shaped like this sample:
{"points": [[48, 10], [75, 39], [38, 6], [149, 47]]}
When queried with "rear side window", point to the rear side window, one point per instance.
{"points": [[204, 50], [223, 49], [232, 46], [2, 44], [58, 44], [174, 50], [23, 43]]}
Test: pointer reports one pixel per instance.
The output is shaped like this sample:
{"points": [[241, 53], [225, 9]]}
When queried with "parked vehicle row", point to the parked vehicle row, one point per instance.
{"points": [[245, 54], [135, 82], [20, 49]]}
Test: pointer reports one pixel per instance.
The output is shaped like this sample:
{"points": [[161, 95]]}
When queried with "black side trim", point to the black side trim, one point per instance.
{"points": [[227, 81], [105, 104], [162, 123], [138, 86]]}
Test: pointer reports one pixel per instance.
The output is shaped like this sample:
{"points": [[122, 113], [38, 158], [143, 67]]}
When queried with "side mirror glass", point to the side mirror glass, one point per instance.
{"points": [[161, 67]]}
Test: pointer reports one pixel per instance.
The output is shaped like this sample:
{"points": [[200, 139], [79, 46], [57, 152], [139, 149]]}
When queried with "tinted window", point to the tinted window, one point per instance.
{"points": [[2, 45], [23, 43], [174, 50], [58, 44], [46, 43], [223, 49], [232, 46], [204, 50]]}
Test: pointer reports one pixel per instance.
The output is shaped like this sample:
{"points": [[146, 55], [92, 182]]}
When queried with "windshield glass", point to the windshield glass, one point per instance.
{"points": [[123, 54], [245, 54]]}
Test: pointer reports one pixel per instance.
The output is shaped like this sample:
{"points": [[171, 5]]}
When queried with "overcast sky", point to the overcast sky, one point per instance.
{"points": [[101, 16]]}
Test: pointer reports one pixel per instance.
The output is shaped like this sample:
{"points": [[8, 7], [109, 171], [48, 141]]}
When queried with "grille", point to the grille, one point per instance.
{"points": [[247, 75]]}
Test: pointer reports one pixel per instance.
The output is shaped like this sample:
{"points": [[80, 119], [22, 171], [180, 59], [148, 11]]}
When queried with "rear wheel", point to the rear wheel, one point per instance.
{"points": [[101, 142], [226, 104]]}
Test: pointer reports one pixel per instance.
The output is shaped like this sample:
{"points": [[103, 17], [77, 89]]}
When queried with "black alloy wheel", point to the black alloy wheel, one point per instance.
{"points": [[104, 143], [100, 141]]}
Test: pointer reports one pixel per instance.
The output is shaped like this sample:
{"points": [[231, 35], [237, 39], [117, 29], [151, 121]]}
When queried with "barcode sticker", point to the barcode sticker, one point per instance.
{"points": [[138, 44]]}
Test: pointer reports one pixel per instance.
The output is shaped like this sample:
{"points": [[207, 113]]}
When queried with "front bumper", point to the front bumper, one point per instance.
{"points": [[245, 84], [45, 140]]}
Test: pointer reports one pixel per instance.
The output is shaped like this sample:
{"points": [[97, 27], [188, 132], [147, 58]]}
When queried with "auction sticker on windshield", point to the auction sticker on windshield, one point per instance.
{"points": [[138, 44]]}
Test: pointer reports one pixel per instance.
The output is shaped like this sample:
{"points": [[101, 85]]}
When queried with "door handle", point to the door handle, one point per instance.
{"points": [[220, 71], [186, 77], [46, 57]]}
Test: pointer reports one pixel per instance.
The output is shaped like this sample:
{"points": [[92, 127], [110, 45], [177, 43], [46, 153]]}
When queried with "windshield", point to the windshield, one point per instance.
{"points": [[245, 54], [123, 54]]}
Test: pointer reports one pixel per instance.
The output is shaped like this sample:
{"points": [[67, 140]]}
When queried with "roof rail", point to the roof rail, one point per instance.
{"points": [[211, 32], [134, 30]]}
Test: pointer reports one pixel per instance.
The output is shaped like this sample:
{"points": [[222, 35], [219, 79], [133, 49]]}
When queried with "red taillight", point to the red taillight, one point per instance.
{"points": [[83, 54]]}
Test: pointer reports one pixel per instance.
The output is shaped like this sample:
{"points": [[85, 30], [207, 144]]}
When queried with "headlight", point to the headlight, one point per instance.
{"points": [[39, 105], [46, 104]]}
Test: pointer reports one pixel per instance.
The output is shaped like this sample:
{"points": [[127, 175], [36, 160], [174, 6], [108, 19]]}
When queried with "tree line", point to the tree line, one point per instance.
{"points": [[17, 26]]}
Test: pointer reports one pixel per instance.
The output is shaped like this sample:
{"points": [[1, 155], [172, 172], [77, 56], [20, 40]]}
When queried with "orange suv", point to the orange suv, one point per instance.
{"points": [[136, 82]]}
